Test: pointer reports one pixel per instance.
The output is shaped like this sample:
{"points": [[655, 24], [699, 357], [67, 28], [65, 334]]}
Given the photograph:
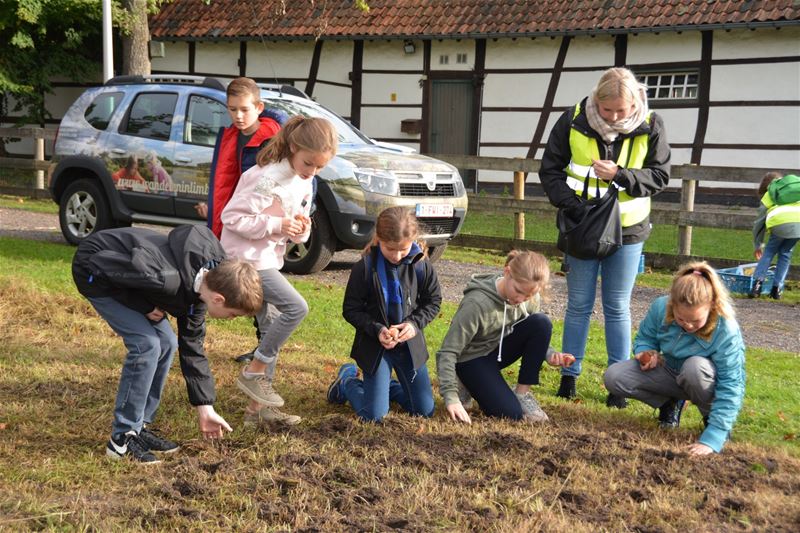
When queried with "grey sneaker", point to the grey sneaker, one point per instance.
{"points": [[530, 408], [270, 415], [464, 396], [259, 388]]}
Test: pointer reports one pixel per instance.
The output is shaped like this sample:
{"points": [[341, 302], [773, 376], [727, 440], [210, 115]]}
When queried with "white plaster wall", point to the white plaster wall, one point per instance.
{"points": [[574, 86], [384, 122], [515, 90], [58, 102], [508, 127], [763, 42], [379, 88], [335, 98], [176, 57], [283, 59], [451, 48], [663, 47], [763, 125], [216, 58], [590, 52], [336, 61], [680, 124], [766, 81], [522, 53], [383, 55], [751, 158]]}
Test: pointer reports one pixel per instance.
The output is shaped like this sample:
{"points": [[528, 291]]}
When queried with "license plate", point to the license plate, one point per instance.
{"points": [[434, 210]]}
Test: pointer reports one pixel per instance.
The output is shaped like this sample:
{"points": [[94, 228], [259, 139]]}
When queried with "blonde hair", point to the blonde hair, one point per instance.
{"points": [[301, 133], [395, 224], [619, 82], [529, 268], [697, 284], [240, 284], [244, 87], [768, 178]]}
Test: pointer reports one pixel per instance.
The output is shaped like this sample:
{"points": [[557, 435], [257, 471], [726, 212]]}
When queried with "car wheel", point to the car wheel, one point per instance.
{"points": [[83, 210], [314, 254], [436, 252]]}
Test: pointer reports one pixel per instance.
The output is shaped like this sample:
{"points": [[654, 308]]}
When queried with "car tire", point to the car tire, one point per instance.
{"points": [[83, 210], [314, 254], [436, 252]]}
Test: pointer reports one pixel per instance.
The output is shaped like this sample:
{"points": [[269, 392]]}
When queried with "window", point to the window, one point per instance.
{"points": [[444, 60], [99, 112], [204, 118], [671, 86], [461, 58], [151, 115]]}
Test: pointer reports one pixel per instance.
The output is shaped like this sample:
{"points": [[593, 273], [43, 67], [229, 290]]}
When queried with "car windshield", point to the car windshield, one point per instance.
{"points": [[347, 132]]}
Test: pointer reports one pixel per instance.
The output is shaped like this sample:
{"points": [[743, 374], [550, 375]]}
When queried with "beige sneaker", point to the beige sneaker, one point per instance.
{"points": [[530, 408], [270, 415], [259, 388]]}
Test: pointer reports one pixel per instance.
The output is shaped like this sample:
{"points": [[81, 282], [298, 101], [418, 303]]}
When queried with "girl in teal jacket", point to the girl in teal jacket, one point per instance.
{"points": [[689, 347]]}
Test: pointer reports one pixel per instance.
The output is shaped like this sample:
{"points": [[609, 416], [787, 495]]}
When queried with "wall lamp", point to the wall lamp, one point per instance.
{"points": [[408, 47]]}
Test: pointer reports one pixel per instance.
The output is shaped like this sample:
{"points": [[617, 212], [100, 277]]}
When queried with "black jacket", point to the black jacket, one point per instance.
{"points": [[646, 181], [143, 269], [365, 309]]}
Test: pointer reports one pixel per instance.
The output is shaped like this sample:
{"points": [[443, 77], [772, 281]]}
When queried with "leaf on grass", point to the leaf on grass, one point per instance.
{"points": [[781, 416], [421, 429], [789, 436], [2, 426]]}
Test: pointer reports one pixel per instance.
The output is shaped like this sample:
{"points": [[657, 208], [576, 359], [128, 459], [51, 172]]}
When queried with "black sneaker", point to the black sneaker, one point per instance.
{"points": [[775, 293], [669, 414], [130, 446], [245, 357], [566, 389], [156, 443], [755, 292], [617, 402]]}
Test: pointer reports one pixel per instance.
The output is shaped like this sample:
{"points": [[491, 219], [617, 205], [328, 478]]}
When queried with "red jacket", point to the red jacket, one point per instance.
{"points": [[227, 166]]}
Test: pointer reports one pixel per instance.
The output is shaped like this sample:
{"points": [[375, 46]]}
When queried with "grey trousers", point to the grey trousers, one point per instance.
{"points": [[276, 329], [695, 382]]}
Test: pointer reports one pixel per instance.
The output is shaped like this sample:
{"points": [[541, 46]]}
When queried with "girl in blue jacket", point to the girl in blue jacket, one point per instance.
{"points": [[688, 347]]}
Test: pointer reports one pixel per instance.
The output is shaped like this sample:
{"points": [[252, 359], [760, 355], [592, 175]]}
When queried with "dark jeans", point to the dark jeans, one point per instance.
{"points": [[481, 376]]}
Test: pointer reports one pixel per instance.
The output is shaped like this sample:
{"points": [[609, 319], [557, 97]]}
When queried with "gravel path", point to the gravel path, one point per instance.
{"points": [[765, 323]]}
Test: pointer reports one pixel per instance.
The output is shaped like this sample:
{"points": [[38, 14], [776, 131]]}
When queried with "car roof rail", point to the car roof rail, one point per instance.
{"points": [[284, 88], [205, 81]]}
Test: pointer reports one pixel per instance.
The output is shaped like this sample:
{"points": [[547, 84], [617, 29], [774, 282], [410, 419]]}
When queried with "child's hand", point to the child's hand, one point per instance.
{"points": [[458, 413], [758, 253], [648, 360], [388, 337], [155, 315], [405, 332], [291, 227], [305, 221], [699, 449], [212, 426], [561, 359], [202, 209]]}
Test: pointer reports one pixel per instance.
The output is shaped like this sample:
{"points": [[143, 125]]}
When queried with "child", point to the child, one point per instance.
{"points": [[688, 347], [392, 294], [497, 323], [783, 224], [270, 206], [134, 277], [128, 177]]}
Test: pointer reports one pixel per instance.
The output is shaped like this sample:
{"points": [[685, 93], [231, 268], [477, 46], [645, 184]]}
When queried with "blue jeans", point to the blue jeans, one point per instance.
{"points": [[412, 390], [783, 248], [618, 273], [151, 347]]}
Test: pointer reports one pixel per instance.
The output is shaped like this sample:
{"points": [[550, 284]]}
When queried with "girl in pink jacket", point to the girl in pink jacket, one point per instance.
{"points": [[271, 205]]}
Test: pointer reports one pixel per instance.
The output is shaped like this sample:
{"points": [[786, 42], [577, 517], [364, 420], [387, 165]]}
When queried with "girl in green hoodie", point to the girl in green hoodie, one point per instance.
{"points": [[497, 323]]}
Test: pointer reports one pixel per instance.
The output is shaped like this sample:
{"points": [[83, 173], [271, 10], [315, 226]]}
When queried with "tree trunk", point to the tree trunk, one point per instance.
{"points": [[135, 57]]}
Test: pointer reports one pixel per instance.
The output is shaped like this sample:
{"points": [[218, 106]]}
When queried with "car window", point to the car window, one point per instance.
{"points": [[347, 133], [100, 110], [151, 115], [204, 118]]}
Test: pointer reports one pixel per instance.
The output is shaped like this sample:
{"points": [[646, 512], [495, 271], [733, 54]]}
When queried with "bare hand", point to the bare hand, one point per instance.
{"points": [[405, 331], [388, 337], [155, 315], [758, 253], [305, 221], [648, 360], [458, 413], [202, 209], [212, 426], [291, 227], [605, 169], [561, 359], [698, 449]]}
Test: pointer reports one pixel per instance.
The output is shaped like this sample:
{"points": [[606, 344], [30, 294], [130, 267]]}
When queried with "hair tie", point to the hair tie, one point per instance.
{"points": [[697, 273]]}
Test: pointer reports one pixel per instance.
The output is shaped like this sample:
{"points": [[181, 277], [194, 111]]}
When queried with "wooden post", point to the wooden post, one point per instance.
{"points": [[687, 205], [519, 194], [38, 155]]}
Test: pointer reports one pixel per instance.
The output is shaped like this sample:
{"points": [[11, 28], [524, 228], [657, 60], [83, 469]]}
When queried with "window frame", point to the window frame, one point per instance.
{"points": [[123, 127], [685, 86]]}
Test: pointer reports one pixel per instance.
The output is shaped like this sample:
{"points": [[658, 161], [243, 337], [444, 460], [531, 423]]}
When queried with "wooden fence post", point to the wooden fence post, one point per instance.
{"points": [[688, 187], [38, 155], [519, 194]]}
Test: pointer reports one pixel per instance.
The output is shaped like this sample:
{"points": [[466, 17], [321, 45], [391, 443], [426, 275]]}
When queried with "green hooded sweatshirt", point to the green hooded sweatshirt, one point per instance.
{"points": [[476, 329]]}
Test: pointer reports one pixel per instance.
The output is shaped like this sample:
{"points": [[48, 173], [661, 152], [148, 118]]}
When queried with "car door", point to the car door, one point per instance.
{"points": [[199, 125], [140, 154]]}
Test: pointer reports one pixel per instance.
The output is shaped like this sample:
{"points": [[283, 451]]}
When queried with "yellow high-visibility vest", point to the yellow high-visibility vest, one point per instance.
{"points": [[780, 214], [584, 149]]}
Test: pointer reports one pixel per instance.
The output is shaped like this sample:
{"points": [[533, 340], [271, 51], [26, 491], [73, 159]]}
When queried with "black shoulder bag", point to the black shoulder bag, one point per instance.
{"points": [[592, 230]]}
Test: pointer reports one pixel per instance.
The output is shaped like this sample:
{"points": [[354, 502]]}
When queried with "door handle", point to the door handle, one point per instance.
{"points": [[182, 159], [119, 151]]}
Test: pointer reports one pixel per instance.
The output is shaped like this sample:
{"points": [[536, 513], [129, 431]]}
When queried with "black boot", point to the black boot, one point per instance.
{"points": [[619, 402], [755, 292], [566, 389], [775, 293], [669, 414]]}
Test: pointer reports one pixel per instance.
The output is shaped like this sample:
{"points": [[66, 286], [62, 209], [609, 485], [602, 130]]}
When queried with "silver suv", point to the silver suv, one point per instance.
{"points": [[140, 150]]}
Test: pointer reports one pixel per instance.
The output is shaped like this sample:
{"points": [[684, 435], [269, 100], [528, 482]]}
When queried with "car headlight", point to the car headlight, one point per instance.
{"points": [[459, 189], [377, 181]]}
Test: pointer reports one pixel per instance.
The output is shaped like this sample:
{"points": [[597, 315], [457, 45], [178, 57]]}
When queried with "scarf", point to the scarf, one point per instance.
{"points": [[392, 293], [610, 132]]}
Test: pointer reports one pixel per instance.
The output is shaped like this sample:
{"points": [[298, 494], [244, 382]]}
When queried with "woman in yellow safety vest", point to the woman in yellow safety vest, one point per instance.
{"points": [[611, 137]]}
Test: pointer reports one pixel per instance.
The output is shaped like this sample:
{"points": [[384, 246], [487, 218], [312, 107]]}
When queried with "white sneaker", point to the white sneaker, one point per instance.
{"points": [[530, 408]]}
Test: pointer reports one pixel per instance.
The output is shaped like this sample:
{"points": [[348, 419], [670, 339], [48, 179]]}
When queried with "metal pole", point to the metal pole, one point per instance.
{"points": [[108, 51], [519, 194], [39, 156]]}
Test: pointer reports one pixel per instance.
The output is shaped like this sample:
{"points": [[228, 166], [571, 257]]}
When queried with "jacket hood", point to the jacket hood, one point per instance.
{"points": [[193, 246], [485, 284]]}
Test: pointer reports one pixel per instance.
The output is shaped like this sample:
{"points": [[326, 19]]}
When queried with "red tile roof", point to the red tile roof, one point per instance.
{"points": [[303, 19]]}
